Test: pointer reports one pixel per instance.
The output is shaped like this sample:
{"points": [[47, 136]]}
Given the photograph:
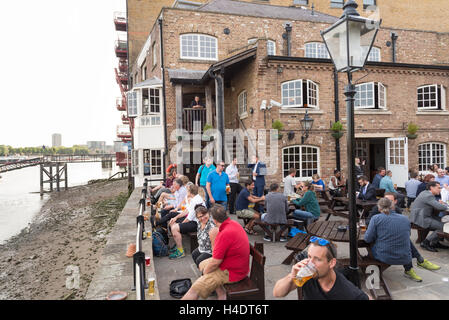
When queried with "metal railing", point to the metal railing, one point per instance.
{"points": [[139, 257], [193, 120]]}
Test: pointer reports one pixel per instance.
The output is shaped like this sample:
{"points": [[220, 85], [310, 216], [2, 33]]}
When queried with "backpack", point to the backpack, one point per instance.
{"points": [[160, 247]]}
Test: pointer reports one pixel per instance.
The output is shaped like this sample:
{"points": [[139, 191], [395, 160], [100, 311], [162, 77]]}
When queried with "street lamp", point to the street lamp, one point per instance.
{"points": [[306, 125], [349, 41]]}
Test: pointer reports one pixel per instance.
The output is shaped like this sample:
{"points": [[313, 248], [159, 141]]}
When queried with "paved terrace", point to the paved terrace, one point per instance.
{"points": [[115, 270]]}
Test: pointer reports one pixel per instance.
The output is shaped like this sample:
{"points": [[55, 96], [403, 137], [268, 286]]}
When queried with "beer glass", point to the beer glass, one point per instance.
{"points": [[305, 274]]}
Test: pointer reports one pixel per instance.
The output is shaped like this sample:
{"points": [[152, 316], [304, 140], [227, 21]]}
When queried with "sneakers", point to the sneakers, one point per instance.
{"points": [[177, 254], [172, 249], [283, 239], [412, 275], [428, 265], [267, 238]]}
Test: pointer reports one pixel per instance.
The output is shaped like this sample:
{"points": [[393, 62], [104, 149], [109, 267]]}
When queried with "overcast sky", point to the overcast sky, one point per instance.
{"points": [[57, 65]]}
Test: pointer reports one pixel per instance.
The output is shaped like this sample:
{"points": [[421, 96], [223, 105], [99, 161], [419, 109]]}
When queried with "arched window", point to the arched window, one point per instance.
{"points": [[199, 46], [316, 50], [305, 159], [431, 97], [431, 153], [300, 94], [271, 48], [242, 102]]}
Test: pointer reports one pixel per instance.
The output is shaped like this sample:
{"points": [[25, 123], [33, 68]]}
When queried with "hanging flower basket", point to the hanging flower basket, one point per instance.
{"points": [[337, 134], [412, 135]]}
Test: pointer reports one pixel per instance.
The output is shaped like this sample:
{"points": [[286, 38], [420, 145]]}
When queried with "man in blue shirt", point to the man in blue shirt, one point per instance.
{"points": [[259, 172], [201, 176], [380, 174], [387, 184], [411, 186], [442, 178], [389, 234], [242, 206], [216, 185]]}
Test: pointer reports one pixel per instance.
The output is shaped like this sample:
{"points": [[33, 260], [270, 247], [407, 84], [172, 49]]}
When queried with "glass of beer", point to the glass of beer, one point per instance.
{"points": [[305, 274], [147, 261], [151, 282], [228, 189], [183, 207], [362, 225]]}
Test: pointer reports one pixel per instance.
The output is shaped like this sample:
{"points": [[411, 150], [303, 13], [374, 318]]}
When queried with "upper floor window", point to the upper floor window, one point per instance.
{"points": [[431, 97], [132, 102], [367, 3], [271, 48], [151, 107], [305, 159], [242, 102], [374, 54], [316, 50], [198, 46], [337, 3], [300, 94], [431, 153], [370, 95]]}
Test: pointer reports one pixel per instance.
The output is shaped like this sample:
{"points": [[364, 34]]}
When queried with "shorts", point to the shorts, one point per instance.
{"points": [[188, 227], [246, 213], [208, 283]]}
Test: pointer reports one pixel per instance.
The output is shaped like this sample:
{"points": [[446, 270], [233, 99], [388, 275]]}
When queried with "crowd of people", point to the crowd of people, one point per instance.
{"points": [[222, 255]]}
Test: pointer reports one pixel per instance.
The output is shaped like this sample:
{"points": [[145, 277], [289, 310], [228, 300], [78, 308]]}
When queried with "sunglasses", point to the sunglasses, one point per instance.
{"points": [[323, 242]]}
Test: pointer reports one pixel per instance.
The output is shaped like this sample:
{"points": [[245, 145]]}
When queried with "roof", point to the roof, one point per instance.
{"points": [[265, 10], [154, 81], [184, 74]]}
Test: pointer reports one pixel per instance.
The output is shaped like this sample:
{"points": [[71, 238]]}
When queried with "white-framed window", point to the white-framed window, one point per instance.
{"points": [[243, 103], [199, 46], [150, 121], [300, 94], [135, 162], [152, 162], [370, 95], [305, 159], [316, 50], [133, 99], [271, 48], [374, 54], [154, 51], [431, 97], [151, 109], [431, 153]]}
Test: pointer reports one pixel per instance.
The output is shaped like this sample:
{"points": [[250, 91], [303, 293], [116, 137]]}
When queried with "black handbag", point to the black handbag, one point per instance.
{"points": [[178, 288]]}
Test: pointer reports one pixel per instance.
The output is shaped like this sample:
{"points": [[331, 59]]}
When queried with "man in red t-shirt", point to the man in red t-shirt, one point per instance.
{"points": [[229, 262]]}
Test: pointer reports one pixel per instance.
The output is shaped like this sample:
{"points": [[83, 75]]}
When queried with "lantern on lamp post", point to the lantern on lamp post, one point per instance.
{"points": [[306, 125], [349, 41]]}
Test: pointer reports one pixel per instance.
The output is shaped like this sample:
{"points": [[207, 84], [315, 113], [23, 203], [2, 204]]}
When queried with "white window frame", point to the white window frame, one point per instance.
{"points": [[294, 97], [273, 44], [152, 159], [374, 54], [313, 86], [133, 100], [308, 103], [316, 50], [379, 97], [154, 51], [243, 103], [151, 118], [431, 159], [198, 37], [437, 106], [135, 162], [299, 164]]}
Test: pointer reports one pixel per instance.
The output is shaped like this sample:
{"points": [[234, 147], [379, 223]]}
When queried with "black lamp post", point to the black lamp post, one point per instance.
{"points": [[306, 125], [346, 41]]}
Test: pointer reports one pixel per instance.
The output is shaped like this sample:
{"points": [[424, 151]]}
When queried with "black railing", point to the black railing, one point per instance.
{"points": [[139, 257], [193, 120]]}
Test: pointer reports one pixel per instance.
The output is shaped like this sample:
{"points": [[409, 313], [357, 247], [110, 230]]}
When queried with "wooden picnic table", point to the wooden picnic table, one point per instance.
{"points": [[364, 205], [329, 230], [298, 243]]}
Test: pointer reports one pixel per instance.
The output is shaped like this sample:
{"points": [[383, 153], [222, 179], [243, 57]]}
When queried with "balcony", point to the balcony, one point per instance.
{"points": [[121, 104], [124, 133], [125, 119], [120, 21], [122, 159], [123, 65], [193, 120], [121, 49], [123, 78]]}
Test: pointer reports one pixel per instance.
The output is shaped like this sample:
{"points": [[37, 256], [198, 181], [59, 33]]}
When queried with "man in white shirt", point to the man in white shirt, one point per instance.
{"points": [[290, 183], [233, 173]]}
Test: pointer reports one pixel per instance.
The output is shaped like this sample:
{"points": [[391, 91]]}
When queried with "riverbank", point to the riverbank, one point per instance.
{"points": [[68, 234]]}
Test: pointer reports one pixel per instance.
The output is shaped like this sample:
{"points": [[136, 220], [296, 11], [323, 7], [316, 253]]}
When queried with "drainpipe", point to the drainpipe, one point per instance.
{"points": [[288, 30], [394, 37], [219, 93], [164, 99], [337, 118]]}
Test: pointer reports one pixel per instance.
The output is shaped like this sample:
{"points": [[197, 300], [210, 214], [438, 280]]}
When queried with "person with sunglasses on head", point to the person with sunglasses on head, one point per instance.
{"points": [[217, 182], [327, 283], [206, 233]]}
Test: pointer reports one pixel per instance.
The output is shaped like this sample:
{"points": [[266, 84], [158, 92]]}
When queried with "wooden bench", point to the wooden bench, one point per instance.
{"points": [[443, 234], [193, 240], [252, 287], [272, 229], [422, 232], [298, 243]]}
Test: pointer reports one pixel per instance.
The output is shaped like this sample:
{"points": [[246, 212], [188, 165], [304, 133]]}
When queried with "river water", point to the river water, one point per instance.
{"points": [[20, 200]]}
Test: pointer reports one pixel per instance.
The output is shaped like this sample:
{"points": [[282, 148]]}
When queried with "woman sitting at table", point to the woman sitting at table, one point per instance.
{"points": [[309, 201], [206, 233]]}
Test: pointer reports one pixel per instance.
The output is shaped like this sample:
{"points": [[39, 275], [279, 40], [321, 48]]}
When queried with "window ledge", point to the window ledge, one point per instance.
{"points": [[432, 113], [205, 61], [372, 111], [300, 111]]}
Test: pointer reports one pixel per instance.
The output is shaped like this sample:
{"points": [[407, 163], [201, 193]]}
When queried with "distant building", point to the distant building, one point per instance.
{"points": [[96, 146], [56, 140], [118, 146]]}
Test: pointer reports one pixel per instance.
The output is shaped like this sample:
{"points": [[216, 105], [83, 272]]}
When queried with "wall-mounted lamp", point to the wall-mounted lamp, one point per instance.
{"points": [[306, 125]]}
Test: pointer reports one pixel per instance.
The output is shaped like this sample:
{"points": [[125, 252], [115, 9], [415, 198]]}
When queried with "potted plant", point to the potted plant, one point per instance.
{"points": [[278, 125], [207, 137], [337, 130], [411, 130]]}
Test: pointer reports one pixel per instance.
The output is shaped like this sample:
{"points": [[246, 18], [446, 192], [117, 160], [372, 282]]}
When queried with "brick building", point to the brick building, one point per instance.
{"points": [[238, 56]]}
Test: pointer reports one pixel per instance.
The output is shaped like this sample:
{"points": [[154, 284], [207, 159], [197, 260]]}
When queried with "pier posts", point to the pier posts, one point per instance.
{"points": [[59, 176]]}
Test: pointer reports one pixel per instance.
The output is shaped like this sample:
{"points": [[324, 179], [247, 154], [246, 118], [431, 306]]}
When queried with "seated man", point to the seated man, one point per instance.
{"points": [[309, 201], [242, 206], [180, 224], [387, 184], [389, 233], [277, 209], [171, 209], [380, 174], [327, 284], [422, 214], [367, 190], [411, 186], [156, 192], [229, 262], [318, 183]]}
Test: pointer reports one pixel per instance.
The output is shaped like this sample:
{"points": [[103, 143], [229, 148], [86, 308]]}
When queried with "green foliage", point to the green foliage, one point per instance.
{"points": [[207, 127], [76, 150], [337, 126], [278, 125], [412, 128]]}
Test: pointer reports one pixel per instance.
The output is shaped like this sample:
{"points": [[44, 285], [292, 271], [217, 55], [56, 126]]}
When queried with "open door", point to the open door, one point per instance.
{"points": [[397, 159]]}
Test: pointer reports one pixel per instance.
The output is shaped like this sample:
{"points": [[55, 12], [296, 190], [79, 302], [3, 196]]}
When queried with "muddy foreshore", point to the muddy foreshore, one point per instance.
{"points": [[67, 235]]}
